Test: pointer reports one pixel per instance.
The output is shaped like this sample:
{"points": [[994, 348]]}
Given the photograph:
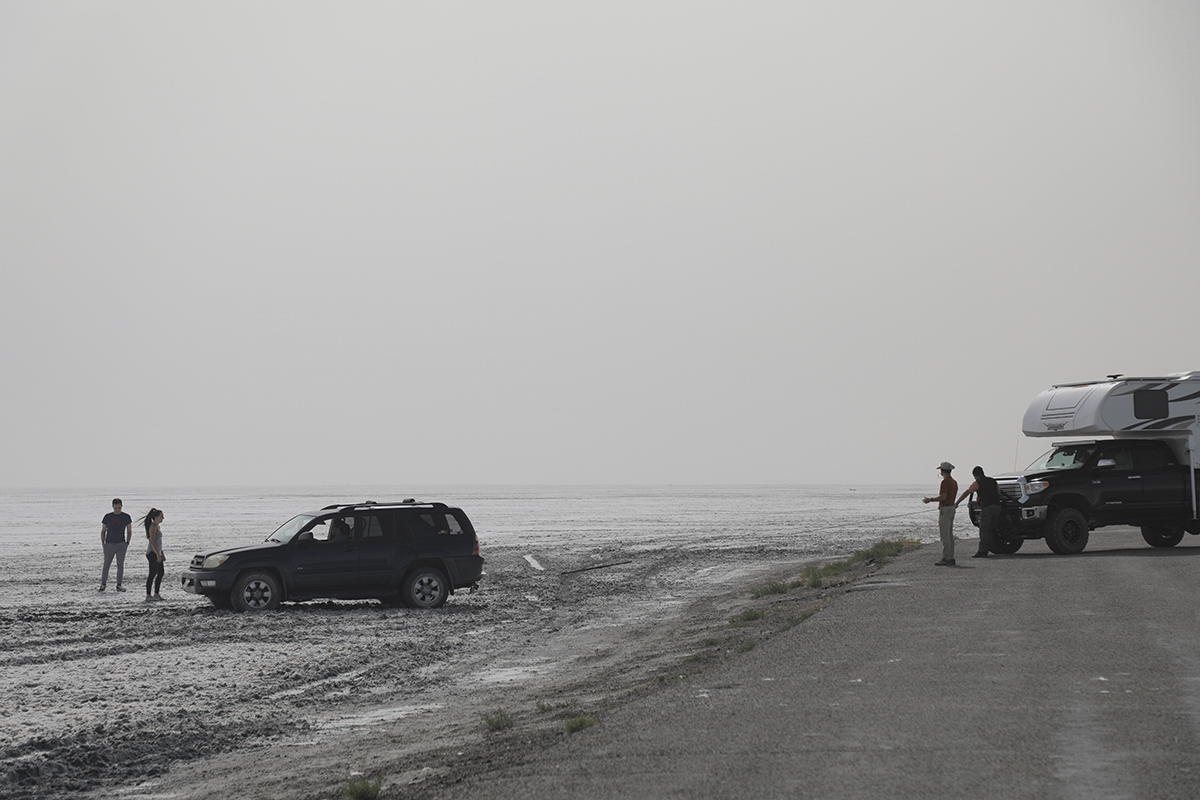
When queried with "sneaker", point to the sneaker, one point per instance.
{"points": [[148, 598], [120, 588], [101, 589], [945, 562], [157, 597]]}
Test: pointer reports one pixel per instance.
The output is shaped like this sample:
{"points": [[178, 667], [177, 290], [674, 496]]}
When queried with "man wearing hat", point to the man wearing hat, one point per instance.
{"points": [[946, 509]]}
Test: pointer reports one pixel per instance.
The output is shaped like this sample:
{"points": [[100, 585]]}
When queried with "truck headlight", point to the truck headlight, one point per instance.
{"points": [[212, 562], [1033, 487]]}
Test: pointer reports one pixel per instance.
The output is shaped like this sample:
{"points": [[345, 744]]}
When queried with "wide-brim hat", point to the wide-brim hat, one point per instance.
{"points": [[946, 466]]}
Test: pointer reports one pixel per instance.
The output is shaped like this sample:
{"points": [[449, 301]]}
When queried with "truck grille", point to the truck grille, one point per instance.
{"points": [[1010, 489]]}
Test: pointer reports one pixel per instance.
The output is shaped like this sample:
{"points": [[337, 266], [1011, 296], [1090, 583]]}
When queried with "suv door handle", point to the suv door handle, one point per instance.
{"points": [[1135, 477]]}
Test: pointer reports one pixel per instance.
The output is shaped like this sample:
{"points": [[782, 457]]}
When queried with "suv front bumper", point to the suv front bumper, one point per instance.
{"points": [[205, 582]]}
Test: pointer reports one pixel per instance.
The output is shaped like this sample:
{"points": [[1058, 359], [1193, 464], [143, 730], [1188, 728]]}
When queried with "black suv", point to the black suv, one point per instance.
{"points": [[412, 553]]}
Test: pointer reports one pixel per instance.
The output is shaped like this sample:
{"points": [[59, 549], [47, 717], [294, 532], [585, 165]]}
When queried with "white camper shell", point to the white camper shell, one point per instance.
{"points": [[1166, 408]]}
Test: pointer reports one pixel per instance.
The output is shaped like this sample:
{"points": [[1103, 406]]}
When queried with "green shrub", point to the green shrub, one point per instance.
{"points": [[362, 789], [497, 720], [576, 724]]}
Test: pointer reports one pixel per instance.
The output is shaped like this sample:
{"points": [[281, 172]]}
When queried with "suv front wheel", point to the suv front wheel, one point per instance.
{"points": [[255, 591], [424, 587]]}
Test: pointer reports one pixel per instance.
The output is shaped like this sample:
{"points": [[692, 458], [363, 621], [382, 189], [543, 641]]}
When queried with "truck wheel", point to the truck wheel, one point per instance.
{"points": [[1006, 543], [1067, 531], [255, 591], [424, 587], [1161, 536]]}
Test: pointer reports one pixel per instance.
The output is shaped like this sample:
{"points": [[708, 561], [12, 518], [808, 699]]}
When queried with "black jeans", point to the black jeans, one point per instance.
{"points": [[157, 568]]}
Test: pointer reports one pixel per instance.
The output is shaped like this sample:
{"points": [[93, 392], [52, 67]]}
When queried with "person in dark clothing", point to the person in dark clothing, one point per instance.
{"points": [[115, 532], [989, 509], [154, 552]]}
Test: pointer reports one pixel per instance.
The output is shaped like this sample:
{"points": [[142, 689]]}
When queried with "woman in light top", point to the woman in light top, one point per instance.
{"points": [[154, 552]]}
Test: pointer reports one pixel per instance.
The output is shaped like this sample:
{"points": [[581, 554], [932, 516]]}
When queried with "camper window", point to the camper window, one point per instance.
{"points": [[1151, 404]]}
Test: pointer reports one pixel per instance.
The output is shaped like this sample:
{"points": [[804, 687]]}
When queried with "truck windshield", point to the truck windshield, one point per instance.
{"points": [[1069, 456], [289, 529]]}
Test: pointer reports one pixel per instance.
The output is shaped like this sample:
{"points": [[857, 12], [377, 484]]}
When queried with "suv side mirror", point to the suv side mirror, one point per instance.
{"points": [[304, 538], [1106, 463]]}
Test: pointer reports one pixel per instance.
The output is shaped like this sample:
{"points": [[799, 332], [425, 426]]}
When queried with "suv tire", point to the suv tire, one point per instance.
{"points": [[1162, 536], [1067, 531], [255, 591], [424, 587]]}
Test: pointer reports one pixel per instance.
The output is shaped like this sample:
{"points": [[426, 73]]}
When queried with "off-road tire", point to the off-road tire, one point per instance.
{"points": [[424, 588], [1006, 543], [1067, 531], [255, 591], [1162, 535]]}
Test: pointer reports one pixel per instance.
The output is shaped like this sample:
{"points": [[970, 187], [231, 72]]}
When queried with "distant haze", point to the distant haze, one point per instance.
{"points": [[651, 242]]}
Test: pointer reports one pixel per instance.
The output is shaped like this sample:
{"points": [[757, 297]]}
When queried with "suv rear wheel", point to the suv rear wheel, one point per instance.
{"points": [[1067, 531], [424, 587], [255, 591]]}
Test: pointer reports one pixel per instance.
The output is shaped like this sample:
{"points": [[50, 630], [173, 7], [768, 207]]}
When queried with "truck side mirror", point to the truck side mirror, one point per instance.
{"points": [[1106, 463]]}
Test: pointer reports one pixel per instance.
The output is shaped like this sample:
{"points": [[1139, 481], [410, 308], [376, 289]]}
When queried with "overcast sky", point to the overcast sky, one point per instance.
{"points": [[619, 242]]}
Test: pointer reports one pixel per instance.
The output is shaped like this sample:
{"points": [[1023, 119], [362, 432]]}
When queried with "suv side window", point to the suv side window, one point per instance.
{"points": [[372, 528], [434, 523]]}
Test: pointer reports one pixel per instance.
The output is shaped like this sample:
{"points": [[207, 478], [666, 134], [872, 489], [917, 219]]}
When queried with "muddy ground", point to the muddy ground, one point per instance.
{"points": [[179, 700]]}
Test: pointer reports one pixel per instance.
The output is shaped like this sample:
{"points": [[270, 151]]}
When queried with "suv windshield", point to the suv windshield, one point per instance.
{"points": [[1068, 456], [289, 529]]}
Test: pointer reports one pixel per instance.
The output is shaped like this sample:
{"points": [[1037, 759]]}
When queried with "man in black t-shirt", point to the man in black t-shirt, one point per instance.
{"points": [[115, 532], [989, 509]]}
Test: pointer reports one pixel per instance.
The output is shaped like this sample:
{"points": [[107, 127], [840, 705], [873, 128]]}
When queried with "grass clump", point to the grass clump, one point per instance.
{"points": [[749, 615], [497, 720], [770, 587], [362, 789], [576, 724], [881, 552]]}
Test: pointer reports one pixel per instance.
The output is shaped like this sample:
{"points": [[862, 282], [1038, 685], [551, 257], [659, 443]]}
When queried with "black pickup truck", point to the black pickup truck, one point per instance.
{"points": [[1080, 486]]}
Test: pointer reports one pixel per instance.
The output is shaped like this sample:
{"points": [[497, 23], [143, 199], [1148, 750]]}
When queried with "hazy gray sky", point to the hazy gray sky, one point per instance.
{"points": [[619, 242]]}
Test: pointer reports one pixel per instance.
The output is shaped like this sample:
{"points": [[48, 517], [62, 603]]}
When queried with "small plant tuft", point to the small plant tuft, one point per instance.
{"points": [[497, 720], [576, 724], [880, 552], [748, 646], [362, 789], [749, 615], [770, 587]]}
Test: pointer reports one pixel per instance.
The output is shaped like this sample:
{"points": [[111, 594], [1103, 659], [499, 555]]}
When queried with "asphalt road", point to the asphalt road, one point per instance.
{"points": [[1032, 675]]}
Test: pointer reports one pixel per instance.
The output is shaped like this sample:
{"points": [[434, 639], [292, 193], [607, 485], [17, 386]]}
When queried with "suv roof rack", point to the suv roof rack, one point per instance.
{"points": [[386, 504]]}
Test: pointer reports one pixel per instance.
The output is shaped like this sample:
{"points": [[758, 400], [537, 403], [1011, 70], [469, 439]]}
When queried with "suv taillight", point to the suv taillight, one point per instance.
{"points": [[474, 545]]}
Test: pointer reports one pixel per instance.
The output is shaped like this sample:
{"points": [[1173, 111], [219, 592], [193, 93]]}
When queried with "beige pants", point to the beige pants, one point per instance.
{"points": [[946, 531]]}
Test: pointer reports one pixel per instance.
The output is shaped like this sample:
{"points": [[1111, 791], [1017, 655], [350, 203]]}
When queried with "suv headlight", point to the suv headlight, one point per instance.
{"points": [[1033, 487], [212, 562]]}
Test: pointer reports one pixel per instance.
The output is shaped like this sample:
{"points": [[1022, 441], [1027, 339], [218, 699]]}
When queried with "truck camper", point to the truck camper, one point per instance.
{"points": [[1132, 460]]}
